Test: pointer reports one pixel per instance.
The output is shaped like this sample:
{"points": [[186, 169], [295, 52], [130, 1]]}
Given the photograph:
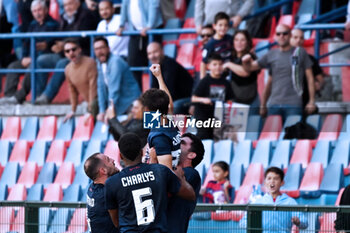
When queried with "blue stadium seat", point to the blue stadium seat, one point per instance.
{"points": [[93, 147], [80, 177], [236, 175], [36, 193], [10, 174], [243, 153], [0, 125], [170, 50], [333, 179], [307, 7], [100, 131], [292, 180], [322, 152], [72, 193], [281, 155], [5, 150], [74, 152], [223, 151], [38, 152], [345, 131], [30, 129], [303, 18], [3, 192], [209, 153], [202, 171], [314, 121], [170, 24], [341, 153], [291, 120], [254, 126], [262, 153], [84, 192], [262, 44], [47, 174], [190, 9], [66, 130]]}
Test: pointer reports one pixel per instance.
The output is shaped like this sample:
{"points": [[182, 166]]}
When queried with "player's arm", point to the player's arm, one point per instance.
{"points": [[186, 191], [114, 216], [166, 160]]}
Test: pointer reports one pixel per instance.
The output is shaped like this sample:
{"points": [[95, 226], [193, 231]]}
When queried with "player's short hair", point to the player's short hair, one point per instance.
{"points": [[91, 166], [155, 99], [101, 38], [276, 170], [214, 57], [108, 1], [130, 146], [196, 147], [221, 15], [71, 40]]}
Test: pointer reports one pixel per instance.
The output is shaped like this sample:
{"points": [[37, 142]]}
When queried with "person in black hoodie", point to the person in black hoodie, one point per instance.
{"points": [[342, 222]]}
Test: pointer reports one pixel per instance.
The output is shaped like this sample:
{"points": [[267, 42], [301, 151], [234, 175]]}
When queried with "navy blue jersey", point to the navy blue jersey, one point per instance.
{"points": [[222, 47], [97, 216], [140, 193], [180, 210], [166, 141]]}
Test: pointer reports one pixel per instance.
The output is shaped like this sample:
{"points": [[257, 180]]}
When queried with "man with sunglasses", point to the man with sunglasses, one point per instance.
{"points": [[81, 75], [287, 65]]}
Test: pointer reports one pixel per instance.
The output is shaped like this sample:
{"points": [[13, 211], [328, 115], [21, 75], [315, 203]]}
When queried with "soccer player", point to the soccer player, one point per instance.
{"points": [[180, 210], [99, 167], [137, 197]]}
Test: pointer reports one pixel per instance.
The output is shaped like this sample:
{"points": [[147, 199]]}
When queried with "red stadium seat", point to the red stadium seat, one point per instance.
{"points": [[54, 192], [221, 215], [345, 70], [302, 153], [254, 175], [189, 23], [327, 222], [20, 152], [331, 127], [112, 151], [78, 222], [57, 152], [312, 178], [209, 176], [18, 223], [180, 8], [198, 58], [18, 193], [7, 216], [287, 20], [65, 175], [29, 174], [145, 82], [84, 129], [186, 54], [272, 128], [48, 128], [1, 169], [12, 129], [54, 10], [62, 95], [242, 197]]}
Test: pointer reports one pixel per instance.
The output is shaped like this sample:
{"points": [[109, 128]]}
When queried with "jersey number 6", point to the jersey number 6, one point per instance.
{"points": [[144, 209]]}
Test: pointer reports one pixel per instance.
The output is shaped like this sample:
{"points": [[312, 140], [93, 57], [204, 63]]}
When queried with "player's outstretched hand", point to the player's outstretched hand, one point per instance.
{"points": [[155, 69]]}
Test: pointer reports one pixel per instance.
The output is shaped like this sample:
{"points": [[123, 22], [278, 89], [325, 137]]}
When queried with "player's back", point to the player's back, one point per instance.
{"points": [[140, 194]]}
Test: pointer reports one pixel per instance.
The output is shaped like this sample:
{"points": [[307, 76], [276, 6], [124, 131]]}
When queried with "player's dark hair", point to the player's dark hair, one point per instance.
{"points": [[276, 170], [223, 165], [196, 147], [92, 165], [71, 40], [214, 57], [130, 146], [101, 38], [155, 99], [221, 15]]}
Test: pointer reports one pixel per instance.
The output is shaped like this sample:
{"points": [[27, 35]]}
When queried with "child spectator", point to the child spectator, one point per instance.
{"points": [[214, 87], [218, 190], [220, 43], [274, 220]]}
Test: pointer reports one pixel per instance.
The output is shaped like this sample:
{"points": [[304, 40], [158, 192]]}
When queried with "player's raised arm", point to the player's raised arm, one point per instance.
{"points": [[186, 191]]}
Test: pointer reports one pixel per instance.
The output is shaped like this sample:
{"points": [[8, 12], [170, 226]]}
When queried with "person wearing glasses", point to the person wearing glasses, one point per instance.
{"points": [[81, 75], [284, 88]]}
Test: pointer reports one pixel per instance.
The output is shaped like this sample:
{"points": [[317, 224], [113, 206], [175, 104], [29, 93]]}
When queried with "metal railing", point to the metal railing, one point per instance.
{"points": [[63, 216]]}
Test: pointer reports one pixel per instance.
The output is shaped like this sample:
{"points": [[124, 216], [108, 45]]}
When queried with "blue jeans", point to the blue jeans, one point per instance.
{"points": [[285, 110], [52, 61]]}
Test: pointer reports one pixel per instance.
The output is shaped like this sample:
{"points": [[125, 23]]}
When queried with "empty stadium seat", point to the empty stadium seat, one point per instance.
{"points": [[7, 216], [48, 128], [112, 151], [189, 23], [180, 8], [81, 178], [314, 121], [345, 131], [65, 175], [292, 180], [170, 50], [262, 44], [322, 152], [254, 175], [302, 153], [36, 193], [84, 130], [208, 152], [262, 153], [236, 175], [12, 129], [281, 155], [5, 149], [272, 128], [30, 129], [171, 24], [243, 153], [93, 147], [3, 192], [18, 193], [198, 58], [223, 151], [38, 152], [286, 20], [331, 127], [186, 54], [254, 126], [57, 152], [311, 182], [78, 222], [65, 130], [29, 174], [47, 174], [291, 120], [345, 84], [333, 179], [100, 131], [20, 152], [242, 197], [10, 174], [341, 153], [0, 126], [75, 152]]}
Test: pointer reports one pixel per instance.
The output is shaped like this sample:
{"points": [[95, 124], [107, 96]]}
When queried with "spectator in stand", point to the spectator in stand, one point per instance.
{"points": [[110, 23], [6, 46], [74, 18], [176, 77], [115, 84], [205, 11], [342, 222], [142, 15], [81, 75], [220, 43], [42, 23], [284, 88], [297, 40], [213, 87], [244, 84]]}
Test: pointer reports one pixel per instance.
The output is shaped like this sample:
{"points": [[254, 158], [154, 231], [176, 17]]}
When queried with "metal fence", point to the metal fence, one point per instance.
{"points": [[71, 217]]}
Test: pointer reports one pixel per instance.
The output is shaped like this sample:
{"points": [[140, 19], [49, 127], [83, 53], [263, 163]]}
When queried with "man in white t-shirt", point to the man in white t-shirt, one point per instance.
{"points": [[110, 22]]}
